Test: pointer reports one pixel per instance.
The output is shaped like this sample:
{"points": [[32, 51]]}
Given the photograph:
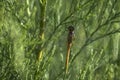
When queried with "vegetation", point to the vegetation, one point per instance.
{"points": [[33, 39]]}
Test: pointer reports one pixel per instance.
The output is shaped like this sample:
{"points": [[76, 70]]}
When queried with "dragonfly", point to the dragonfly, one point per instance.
{"points": [[70, 38]]}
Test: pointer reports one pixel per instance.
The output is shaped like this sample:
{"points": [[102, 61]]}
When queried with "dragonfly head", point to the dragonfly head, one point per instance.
{"points": [[71, 28]]}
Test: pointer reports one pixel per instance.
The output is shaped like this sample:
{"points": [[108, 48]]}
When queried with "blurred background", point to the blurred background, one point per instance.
{"points": [[33, 39]]}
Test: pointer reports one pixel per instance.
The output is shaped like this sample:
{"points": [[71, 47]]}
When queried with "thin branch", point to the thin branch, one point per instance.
{"points": [[91, 8], [116, 21], [105, 35], [107, 21], [115, 16], [87, 43]]}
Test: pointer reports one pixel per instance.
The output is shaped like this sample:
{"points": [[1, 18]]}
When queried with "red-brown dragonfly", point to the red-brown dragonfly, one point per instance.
{"points": [[69, 44]]}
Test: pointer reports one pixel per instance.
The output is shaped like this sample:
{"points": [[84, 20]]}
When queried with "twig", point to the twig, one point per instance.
{"points": [[89, 42], [105, 35]]}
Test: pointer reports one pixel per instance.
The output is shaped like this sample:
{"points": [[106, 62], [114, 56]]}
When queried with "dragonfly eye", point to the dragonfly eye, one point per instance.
{"points": [[71, 28]]}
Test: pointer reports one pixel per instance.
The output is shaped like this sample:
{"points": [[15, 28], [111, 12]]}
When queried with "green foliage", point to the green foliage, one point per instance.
{"points": [[95, 51]]}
